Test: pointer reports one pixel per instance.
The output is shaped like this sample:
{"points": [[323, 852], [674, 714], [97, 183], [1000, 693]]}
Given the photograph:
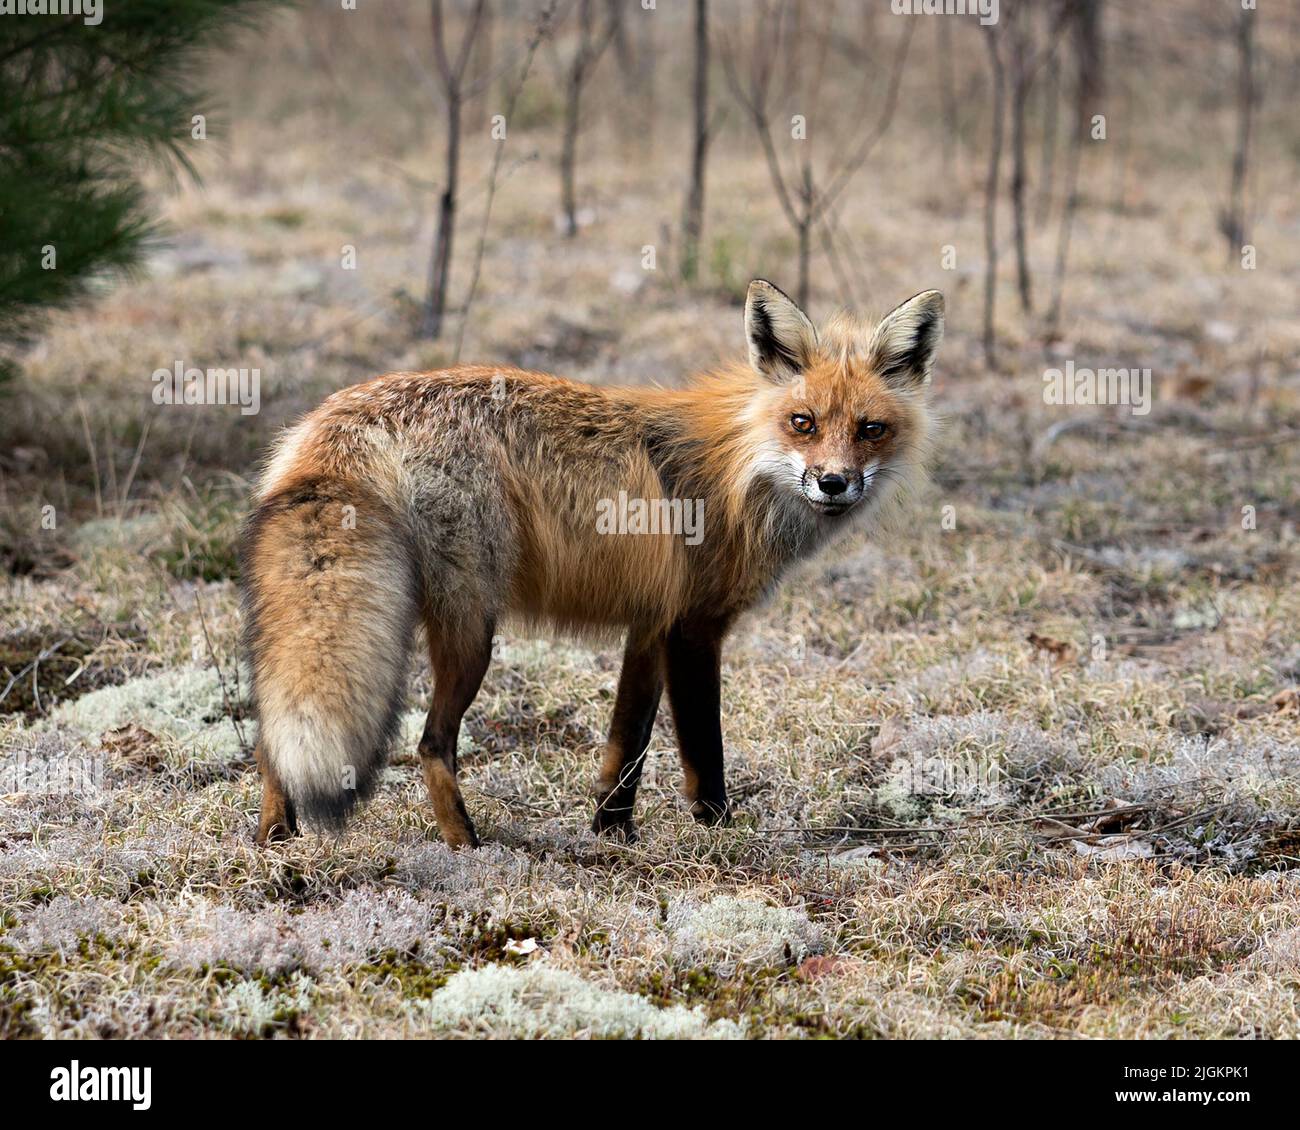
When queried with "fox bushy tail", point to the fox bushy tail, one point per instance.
{"points": [[330, 611]]}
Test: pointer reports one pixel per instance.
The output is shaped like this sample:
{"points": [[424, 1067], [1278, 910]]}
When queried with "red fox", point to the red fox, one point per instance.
{"points": [[456, 499]]}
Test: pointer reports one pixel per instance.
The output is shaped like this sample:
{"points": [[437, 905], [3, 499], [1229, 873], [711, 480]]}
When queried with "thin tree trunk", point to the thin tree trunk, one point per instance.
{"points": [[793, 35], [646, 55], [584, 61], [541, 29], [1067, 220], [484, 86], [1088, 80], [1047, 164], [1020, 91], [991, 199], [569, 156], [453, 74], [805, 236], [948, 95], [805, 258], [440, 264], [693, 220], [802, 202], [1233, 224], [623, 46], [1120, 150]]}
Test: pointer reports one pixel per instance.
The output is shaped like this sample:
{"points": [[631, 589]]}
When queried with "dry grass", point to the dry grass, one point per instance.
{"points": [[1034, 775]]}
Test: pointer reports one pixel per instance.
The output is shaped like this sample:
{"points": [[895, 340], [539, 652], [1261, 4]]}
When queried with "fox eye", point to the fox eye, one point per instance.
{"points": [[872, 429], [805, 425]]}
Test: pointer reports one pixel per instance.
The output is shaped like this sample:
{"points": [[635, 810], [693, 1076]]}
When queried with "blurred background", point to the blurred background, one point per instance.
{"points": [[1080, 178]]}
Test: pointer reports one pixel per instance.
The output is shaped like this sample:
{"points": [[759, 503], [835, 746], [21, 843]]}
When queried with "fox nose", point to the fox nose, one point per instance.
{"points": [[833, 484]]}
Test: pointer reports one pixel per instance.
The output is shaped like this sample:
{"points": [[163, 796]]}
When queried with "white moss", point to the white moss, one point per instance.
{"points": [[538, 1001], [958, 762], [361, 924], [541, 655], [249, 1009], [728, 930], [60, 924], [941, 683], [1260, 772], [492, 868], [40, 760], [412, 729], [138, 534], [184, 706], [897, 796], [1151, 563]]}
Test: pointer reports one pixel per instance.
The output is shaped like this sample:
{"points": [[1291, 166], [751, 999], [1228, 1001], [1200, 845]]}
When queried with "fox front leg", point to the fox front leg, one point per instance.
{"points": [[693, 661]]}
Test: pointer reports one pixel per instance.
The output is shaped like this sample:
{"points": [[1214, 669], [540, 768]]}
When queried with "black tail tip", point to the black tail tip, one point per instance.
{"points": [[330, 809]]}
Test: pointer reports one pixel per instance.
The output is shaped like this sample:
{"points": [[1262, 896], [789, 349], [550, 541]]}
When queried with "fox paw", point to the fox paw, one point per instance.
{"points": [[276, 832], [711, 811], [614, 823]]}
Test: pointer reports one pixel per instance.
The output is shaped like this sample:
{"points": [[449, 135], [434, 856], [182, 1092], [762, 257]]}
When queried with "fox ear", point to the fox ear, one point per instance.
{"points": [[903, 346], [781, 338]]}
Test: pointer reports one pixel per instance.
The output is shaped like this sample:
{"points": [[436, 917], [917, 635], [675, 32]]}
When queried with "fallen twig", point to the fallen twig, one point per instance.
{"points": [[32, 667]]}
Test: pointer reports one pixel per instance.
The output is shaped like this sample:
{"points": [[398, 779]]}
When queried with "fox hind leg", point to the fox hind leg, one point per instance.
{"points": [[457, 675], [278, 819]]}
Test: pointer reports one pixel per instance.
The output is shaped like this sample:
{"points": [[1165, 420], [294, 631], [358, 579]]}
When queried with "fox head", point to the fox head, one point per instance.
{"points": [[841, 416]]}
